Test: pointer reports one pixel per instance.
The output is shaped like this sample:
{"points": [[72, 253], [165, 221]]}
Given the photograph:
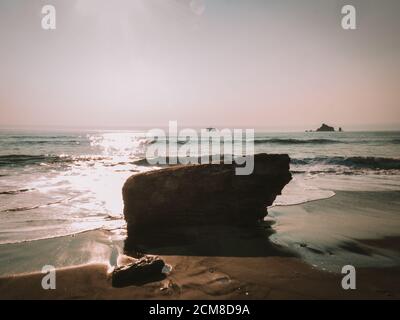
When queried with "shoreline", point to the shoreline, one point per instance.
{"points": [[214, 267], [345, 229]]}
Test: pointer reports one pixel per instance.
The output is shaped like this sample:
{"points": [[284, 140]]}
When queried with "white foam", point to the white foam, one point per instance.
{"points": [[301, 190]]}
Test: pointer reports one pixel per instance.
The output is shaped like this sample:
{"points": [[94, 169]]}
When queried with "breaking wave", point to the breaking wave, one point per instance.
{"points": [[296, 141], [17, 160], [374, 163]]}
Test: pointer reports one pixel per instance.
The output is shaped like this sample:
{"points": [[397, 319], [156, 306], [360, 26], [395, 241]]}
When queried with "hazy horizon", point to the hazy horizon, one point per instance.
{"points": [[271, 65], [297, 129]]}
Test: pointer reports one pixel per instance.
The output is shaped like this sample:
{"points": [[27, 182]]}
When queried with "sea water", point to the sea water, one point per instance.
{"points": [[55, 183]]}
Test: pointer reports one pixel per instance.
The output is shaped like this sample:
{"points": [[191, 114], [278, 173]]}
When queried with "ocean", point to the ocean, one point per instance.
{"points": [[61, 185]]}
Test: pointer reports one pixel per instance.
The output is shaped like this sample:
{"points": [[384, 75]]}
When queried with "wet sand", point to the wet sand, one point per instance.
{"points": [[357, 228], [389, 243], [235, 264], [211, 278], [269, 262]]}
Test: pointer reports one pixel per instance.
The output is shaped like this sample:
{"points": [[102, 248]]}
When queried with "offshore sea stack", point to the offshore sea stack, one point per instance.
{"points": [[199, 195], [325, 128]]}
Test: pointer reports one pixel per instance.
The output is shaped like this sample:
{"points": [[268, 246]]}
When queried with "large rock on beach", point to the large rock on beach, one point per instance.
{"points": [[204, 194]]}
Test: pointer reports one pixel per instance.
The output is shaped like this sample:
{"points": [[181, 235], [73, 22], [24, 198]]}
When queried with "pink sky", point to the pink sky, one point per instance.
{"points": [[270, 64]]}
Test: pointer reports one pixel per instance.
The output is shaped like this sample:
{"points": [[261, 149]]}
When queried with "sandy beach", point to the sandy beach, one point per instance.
{"points": [[211, 278], [280, 259], [210, 268]]}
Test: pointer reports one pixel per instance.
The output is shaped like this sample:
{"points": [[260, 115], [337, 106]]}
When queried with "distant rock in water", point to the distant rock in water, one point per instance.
{"points": [[325, 128], [198, 195]]}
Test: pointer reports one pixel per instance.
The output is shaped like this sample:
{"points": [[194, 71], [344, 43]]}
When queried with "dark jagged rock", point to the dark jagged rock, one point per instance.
{"points": [[147, 269], [198, 195], [325, 128]]}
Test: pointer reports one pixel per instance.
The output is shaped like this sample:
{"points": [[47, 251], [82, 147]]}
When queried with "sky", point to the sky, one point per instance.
{"points": [[284, 64]]}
